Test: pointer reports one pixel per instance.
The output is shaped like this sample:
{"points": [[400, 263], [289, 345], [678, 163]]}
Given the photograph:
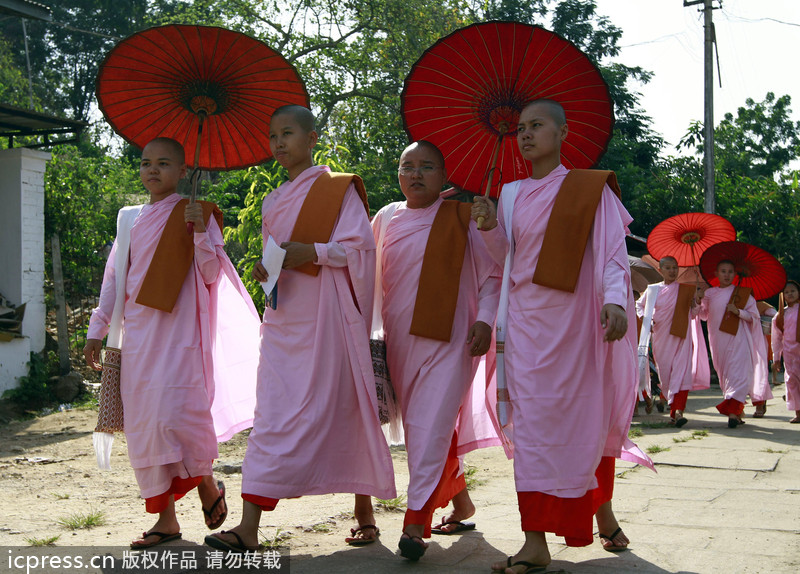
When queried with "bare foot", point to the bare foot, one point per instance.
{"points": [[364, 515], [246, 538], [463, 508], [611, 535], [164, 525], [533, 553], [209, 495]]}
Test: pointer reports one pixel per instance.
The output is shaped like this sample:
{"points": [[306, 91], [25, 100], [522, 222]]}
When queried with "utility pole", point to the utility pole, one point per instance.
{"points": [[708, 117]]}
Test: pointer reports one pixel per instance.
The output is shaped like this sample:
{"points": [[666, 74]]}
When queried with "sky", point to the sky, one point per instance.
{"points": [[758, 43]]}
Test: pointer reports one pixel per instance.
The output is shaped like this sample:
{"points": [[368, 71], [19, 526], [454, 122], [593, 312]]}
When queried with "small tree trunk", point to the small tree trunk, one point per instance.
{"points": [[61, 307]]}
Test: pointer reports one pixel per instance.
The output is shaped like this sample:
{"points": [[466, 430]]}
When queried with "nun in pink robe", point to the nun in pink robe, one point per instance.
{"points": [[572, 395], [740, 360], [186, 379], [316, 428], [785, 344], [682, 363], [434, 380]]}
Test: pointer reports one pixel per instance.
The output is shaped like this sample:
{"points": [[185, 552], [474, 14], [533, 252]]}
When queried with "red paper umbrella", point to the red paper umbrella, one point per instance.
{"points": [[212, 89], [466, 92], [686, 236], [755, 268]]}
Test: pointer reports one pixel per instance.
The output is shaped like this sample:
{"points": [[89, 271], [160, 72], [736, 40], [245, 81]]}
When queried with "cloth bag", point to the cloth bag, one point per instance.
{"points": [[388, 411], [110, 413]]}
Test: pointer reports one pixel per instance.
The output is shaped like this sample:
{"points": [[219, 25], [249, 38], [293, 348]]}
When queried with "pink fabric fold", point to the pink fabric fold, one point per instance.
{"points": [[439, 386], [682, 363], [572, 394], [183, 389], [788, 348], [316, 429], [740, 360]]}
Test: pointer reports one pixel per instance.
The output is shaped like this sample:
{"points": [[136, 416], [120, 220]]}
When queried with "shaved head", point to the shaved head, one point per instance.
{"points": [[302, 115], [174, 147], [553, 109], [424, 144], [669, 258]]}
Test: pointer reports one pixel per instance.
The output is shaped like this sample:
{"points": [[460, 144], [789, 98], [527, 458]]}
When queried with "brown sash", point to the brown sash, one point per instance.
{"points": [[779, 320], [730, 322], [680, 317], [172, 259], [569, 226], [320, 211], [439, 280]]}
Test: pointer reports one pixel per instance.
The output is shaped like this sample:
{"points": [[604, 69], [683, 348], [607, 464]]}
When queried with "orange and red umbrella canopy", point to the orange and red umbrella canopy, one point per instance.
{"points": [[158, 82], [755, 268], [686, 236], [466, 92]]}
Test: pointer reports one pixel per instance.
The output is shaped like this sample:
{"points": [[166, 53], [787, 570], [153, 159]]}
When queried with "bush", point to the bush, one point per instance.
{"points": [[34, 390]]}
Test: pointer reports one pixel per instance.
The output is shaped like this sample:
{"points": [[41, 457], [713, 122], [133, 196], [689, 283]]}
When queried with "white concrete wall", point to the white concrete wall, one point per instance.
{"points": [[22, 250]]}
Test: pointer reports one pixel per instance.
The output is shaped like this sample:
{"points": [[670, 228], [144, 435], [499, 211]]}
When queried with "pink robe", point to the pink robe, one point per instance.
{"points": [[316, 429], [741, 360], [433, 380], [183, 388], [784, 344], [682, 363], [572, 395]]}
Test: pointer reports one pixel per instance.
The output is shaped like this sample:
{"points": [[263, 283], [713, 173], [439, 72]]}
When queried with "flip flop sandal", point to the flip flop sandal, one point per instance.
{"points": [[210, 511], [356, 541], [613, 547], [460, 527], [681, 421], [239, 546], [410, 548], [162, 538], [530, 567]]}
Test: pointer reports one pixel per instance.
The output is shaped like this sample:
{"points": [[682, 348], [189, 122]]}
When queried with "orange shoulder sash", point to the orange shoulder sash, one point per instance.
{"points": [[437, 292], [172, 259], [320, 211], [730, 322], [569, 226], [680, 317]]}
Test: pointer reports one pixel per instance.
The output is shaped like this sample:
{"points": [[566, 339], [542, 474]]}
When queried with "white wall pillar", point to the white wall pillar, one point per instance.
{"points": [[22, 253]]}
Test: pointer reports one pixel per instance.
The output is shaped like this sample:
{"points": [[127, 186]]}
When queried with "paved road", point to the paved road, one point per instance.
{"points": [[723, 500]]}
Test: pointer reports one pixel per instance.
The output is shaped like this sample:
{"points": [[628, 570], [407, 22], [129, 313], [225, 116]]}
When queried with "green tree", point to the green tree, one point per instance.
{"points": [[82, 197], [66, 53], [760, 141]]}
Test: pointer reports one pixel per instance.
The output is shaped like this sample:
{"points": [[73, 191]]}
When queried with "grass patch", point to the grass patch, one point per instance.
{"points": [[86, 402], [655, 449], [656, 425], [635, 433], [49, 541], [392, 504], [346, 515], [470, 478], [280, 539], [320, 527], [60, 496], [683, 438], [699, 434], [81, 521], [772, 451]]}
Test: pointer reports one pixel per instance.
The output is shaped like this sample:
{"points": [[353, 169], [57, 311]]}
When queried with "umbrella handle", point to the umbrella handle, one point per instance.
{"points": [[202, 113], [502, 128], [195, 177]]}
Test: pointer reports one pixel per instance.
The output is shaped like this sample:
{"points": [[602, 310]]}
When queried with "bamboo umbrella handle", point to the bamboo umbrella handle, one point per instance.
{"points": [[502, 129], [201, 116]]}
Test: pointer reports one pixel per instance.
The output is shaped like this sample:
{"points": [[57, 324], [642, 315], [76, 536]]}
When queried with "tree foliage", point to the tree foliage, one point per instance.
{"points": [[83, 195], [353, 56]]}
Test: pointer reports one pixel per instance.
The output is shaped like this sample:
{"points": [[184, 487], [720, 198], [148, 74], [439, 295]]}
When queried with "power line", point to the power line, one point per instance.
{"points": [[753, 20]]}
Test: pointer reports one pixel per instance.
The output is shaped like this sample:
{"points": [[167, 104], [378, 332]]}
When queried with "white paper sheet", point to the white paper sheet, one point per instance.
{"points": [[272, 260]]}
